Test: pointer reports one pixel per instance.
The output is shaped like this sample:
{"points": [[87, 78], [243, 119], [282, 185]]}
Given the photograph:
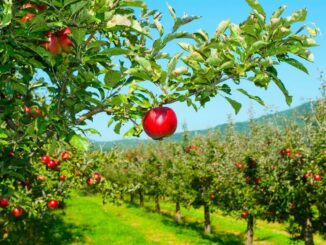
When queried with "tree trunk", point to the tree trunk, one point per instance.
{"points": [[157, 204], [250, 230], [141, 199], [308, 233], [207, 219], [132, 197], [177, 212]]}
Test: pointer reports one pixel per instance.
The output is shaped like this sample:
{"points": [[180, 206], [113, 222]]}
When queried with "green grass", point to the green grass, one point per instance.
{"points": [[90, 222]]}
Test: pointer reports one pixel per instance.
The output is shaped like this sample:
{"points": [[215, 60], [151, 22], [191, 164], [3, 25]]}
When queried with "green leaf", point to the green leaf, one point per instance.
{"points": [[79, 142], [172, 12], [236, 105], [281, 86], [173, 62], [222, 27], [254, 4], [146, 64], [256, 98], [112, 78], [278, 12], [117, 127], [296, 64], [297, 16], [6, 13]]}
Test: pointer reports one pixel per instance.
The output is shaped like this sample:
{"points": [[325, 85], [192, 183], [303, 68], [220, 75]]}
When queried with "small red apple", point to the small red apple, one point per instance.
{"points": [[4, 202], [11, 154], [90, 181], [244, 214], [65, 155], [317, 177], [42, 7], [240, 165], [45, 159], [27, 109], [160, 122], [52, 45], [257, 180], [29, 5], [53, 203], [27, 17], [40, 178], [17, 212], [212, 196], [62, 178], [285, 152], [97, 176], [51, 164], [64, 39]]}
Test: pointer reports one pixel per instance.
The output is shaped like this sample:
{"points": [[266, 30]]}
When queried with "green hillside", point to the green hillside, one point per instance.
{"points": [[293, 114]]}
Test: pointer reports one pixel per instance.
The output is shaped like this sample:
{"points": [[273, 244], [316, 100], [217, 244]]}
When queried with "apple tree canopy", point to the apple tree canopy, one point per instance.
{"points": [[119, 47]]}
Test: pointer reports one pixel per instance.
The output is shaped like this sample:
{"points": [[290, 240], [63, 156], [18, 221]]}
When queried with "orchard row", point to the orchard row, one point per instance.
{"points": [[270, 173]]}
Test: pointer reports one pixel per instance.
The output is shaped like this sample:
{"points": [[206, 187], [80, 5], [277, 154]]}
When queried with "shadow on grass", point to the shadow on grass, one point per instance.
{"points": [[217, 237], [50, 230]]}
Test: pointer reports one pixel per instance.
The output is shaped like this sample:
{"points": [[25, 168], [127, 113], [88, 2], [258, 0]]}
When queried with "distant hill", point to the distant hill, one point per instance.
{"points": [[294, 114]]}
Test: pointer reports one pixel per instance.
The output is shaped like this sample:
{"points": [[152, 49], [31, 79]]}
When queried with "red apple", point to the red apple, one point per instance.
{"points": [[317, 177], [285, 151], [90, 181], [51, 164], [45, 159], [4, 202], [160, 122], [11, 154], [17, 212], [212, 196], [29, 5], [64, 39], [52, 45], [53, 203], [257, 180], [27, 109], [297, 155], [97, 176], [40, 178], [65, 155], [244, 214], [27, 17], [240, 165], [42, 7], [62, 178]]}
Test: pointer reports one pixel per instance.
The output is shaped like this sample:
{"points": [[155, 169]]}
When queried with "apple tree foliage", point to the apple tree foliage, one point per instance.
{"points": [[64, 61]]}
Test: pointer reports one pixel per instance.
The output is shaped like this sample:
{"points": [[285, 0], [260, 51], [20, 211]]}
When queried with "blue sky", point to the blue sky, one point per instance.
{"points": [[301, 86]]}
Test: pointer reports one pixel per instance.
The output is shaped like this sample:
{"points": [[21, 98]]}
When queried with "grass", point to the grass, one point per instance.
{"points": [[90, 222]]}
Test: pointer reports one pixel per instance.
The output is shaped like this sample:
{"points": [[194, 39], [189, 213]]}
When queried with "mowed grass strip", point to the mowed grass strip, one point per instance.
{"points": [[128, 224]]}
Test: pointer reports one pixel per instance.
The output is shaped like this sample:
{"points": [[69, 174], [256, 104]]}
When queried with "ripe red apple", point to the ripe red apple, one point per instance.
{"points": [[285, 151], [4, 202], [40, 178], [45, 159], [160, 122], [52, 164], [42, 7], [244, 214], [90, 181], [64, 39], [11, 154], [257, 180], [53, 203], [97, 176], [27, 109], [212, 196], [27, 17], [297, 155], [65, 155], [317, 177], [17, 212], [62, 178], [52, 45]]}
